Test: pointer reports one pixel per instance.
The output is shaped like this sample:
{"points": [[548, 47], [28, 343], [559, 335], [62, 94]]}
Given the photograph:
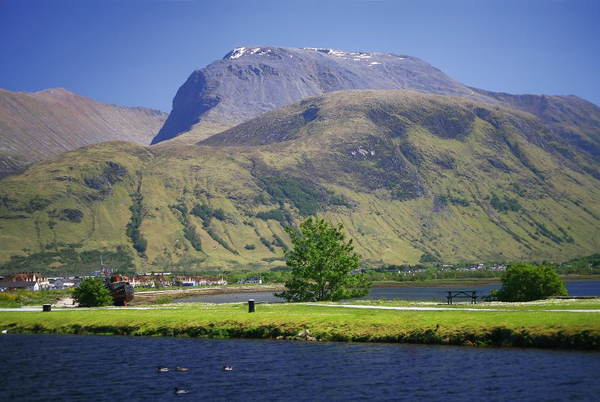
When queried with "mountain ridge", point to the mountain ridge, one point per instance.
{"points": [[41, 125], [249, 81], [252, 80], [408, 174]]}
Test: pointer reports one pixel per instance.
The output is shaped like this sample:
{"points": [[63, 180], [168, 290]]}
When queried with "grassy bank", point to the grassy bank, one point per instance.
{"points": [[524, 325], [468, 281], [20, 298]]}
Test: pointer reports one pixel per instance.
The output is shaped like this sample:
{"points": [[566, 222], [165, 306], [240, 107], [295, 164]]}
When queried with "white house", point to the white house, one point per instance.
{"points": [[65, 283], [251, 280], [30, 280], [13, 285]]}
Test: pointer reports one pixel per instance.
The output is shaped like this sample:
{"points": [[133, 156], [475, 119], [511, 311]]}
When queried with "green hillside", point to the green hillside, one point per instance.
{"points": [[406, 173]]}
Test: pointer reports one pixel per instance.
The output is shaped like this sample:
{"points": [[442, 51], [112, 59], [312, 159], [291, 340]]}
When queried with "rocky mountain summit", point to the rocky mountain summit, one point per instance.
{"points": [[250, 81], [39, 126]]}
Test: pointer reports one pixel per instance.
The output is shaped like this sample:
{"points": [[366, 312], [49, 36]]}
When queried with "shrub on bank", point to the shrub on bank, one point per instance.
{"points": [[526, 282], [92, 293]]}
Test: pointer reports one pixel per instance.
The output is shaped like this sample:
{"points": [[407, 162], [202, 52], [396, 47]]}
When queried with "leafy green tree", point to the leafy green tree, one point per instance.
{"points": [[92, 293], [526, 282], [321, 263]]}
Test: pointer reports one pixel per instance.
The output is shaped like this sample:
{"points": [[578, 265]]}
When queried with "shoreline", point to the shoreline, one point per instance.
{"points": [[548, 324], [147, 297]]}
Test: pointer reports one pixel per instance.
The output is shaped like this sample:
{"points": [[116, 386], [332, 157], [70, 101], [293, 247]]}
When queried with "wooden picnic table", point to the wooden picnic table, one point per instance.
{"points": [[471, 294]]}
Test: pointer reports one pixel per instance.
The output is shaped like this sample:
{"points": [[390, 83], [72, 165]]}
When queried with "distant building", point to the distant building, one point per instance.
{"points": [[251, 280], [31, 281], [14, 285], [65, 283], [148, 281], [215, 281]]}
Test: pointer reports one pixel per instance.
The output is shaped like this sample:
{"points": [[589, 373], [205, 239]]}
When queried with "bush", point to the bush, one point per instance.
{"points": [[527, 282], [275, 214], [92, 293], [72, 215], [302, 195], [506, 205], [428, 257], [267, 244], [206, 213], [133, 227]]}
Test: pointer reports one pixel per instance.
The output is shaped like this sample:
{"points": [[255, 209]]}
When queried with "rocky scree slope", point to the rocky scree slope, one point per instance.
{"points": [[39, 126]]}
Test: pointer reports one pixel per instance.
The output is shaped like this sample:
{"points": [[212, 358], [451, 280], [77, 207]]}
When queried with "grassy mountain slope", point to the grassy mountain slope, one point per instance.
{"points": [[575, 120], [40, 126], [407, 174]]}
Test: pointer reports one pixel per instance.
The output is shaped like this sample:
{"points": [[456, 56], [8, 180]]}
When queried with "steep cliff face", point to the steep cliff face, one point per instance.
{"points": [[250, 81], [38, 126]]}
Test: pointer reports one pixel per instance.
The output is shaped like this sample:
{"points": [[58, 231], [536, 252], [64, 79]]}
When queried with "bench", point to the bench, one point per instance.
{"points": [[470, 294]]}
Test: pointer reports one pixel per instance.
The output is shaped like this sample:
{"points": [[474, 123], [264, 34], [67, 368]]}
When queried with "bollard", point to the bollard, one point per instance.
{"points": [[251, 305], [47, 307]]}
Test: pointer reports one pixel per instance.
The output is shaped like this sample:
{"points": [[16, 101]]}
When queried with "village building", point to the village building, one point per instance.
{"points": [[251, 280], [65, 283], [15, 285], [30, 281], [148, 281]]}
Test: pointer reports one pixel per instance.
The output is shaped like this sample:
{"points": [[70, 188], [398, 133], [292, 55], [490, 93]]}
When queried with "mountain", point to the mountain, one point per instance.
{"points": [[39, 126], [573, 119], [250, 81], [411, 176]]}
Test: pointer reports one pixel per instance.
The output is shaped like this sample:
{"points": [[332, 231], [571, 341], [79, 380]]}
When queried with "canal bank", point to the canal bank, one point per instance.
{"points": [[538, 324]]}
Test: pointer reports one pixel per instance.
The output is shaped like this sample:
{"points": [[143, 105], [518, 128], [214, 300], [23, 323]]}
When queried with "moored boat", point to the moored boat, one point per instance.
{"points": [[120, 289]]}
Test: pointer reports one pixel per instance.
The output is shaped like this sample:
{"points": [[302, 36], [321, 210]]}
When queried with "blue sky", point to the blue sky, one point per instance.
{"points": [[138, 52]]}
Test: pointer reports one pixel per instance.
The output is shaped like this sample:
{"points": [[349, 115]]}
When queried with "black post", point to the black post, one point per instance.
{"points": [[47, 307], [251, 305]]}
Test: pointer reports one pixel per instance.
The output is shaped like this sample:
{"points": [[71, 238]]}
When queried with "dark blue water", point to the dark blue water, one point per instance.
{"points": [[591, 288], [93, 368]]}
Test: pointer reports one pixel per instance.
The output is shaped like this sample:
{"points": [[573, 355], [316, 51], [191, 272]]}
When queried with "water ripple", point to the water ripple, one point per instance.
{"points": [[93, 368]]}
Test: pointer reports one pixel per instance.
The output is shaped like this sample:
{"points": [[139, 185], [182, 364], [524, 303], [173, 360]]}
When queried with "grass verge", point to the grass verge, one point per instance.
{"points": [[522, 326]]}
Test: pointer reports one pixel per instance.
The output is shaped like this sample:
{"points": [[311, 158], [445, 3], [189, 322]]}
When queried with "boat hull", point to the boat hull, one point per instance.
{"points": [[121, 292]]}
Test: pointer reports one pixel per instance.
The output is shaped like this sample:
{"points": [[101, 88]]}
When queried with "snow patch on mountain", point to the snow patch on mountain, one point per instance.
{"points": [[237, 53], [241, 51]]}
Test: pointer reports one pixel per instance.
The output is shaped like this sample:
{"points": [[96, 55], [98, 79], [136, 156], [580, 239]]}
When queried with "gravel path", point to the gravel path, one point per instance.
{"points": [[443, 308]]}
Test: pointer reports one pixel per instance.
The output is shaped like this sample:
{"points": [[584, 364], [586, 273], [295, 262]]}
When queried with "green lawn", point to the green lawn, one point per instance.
{"points": [[524, 325]]}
